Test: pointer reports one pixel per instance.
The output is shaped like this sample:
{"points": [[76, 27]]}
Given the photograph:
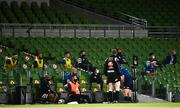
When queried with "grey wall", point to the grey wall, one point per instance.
{"points": [[28, 1]]}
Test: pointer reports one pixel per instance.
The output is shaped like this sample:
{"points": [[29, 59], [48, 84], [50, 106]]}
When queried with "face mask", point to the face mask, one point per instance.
{"points": [[83, 55], [97, 71], [75, 80]]}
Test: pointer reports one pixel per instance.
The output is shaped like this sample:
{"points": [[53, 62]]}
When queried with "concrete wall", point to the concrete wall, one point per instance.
{"points": [[28, 1], [70, 33]]}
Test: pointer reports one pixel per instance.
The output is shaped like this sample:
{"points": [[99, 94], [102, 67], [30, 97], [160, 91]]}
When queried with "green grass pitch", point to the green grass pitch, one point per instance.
{"points": [[120, 105]]}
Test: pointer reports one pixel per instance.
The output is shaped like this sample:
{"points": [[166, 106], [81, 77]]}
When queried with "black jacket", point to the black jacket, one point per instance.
{"points": [[84, 64], [168, 59]]}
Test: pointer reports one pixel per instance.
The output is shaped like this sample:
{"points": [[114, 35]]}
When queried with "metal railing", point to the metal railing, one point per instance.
{"points": [[87, 30], [71, 30]]}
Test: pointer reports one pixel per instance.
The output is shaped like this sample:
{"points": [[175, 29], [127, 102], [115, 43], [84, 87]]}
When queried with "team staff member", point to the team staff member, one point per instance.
{"points": [[38, 62], [45, 90], [39, 65], [120, 57], [67, 67], [74, 91], [10, 62], [83, 62], [111, 71], [127, 80], [95, 76]]}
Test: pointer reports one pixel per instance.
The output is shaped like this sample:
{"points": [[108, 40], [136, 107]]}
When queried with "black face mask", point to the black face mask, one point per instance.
{"points": [[75, 80], [83, 55]]}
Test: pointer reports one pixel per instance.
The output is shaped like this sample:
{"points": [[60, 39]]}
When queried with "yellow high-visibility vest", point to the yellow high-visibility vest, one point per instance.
{"points": [[11, 65], [68, 64], [39, 63]]}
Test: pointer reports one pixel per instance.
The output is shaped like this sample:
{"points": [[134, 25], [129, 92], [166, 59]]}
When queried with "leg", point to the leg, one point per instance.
{"points": [[111, 87], [117, 87], [73, 98], [127, 94], [90, 82]]}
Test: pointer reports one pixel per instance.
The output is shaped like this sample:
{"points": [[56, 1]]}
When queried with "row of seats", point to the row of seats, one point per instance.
{"points": [[97, 51], [156, 12], [42, 14]]}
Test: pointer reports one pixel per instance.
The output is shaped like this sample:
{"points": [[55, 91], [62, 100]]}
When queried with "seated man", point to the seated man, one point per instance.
{"points": [[67, 67], [171, 58], [38, 61], [10, 62], [150, 68], [84, 64], [152, 64], [127, 80], [95, 77], [74, 91], [45, 91]]}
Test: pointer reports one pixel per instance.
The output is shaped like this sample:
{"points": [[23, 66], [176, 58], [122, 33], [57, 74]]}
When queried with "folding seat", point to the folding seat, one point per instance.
{"points": [[8, 13]]}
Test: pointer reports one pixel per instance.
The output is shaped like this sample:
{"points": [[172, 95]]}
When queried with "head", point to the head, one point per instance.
{"points": [[39, 55], [114, 52], [47, 78], [15, 57], [1, 50], [152, 55], [95, 70], [82, 53], [173, 52], [110, 62], [74, 77], [118, 50], [67, 54]]}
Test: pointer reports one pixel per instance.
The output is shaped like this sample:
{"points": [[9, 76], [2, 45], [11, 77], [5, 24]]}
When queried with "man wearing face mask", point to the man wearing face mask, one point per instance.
{"points": [[38, 62], [74, 91], [112, 72], [95, 76], [120, 57], [151, 65], [83, 62], [171, 58], [45, 90]]}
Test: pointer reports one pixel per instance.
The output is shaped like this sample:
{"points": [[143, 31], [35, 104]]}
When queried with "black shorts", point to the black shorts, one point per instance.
{"points": [[128, 86], [113, 80]]}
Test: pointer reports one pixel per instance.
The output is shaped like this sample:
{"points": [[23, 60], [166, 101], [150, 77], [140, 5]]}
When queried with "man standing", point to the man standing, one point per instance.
{"points": [[112, 72]]}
